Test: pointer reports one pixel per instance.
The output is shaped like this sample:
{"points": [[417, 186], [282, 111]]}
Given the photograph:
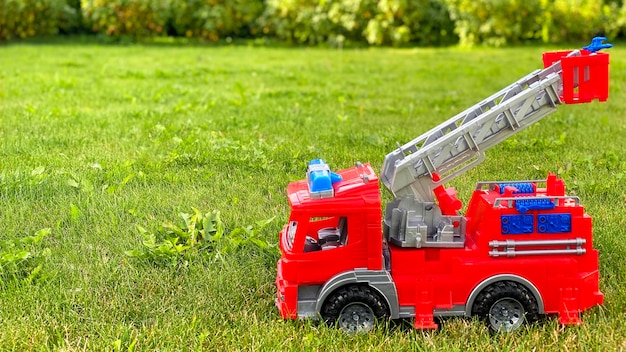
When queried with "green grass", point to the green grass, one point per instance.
{"points": [[98, 139]]}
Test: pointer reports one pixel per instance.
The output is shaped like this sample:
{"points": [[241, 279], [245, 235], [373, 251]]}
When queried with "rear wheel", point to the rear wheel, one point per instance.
{"points": [[354, 309], [506, 306]]}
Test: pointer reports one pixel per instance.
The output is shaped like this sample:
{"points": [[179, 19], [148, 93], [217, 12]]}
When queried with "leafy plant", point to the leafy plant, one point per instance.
{"points": [[28, 18], [20, 178], [496, 22], [197, 234], [138, 18], [398, 22], [22, 259], [383, 22], [562, 19], [213, 19]]}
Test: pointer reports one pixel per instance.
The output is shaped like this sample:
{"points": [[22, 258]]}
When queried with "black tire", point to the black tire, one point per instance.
{"points": [[506, 306], [354, 309]]}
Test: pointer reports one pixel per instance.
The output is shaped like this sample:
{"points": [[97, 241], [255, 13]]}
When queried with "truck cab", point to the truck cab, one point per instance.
{"points": [[329, 232]]}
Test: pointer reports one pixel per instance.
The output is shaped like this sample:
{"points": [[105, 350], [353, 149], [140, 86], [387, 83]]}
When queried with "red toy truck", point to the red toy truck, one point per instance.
{"points": [[523, 249]]}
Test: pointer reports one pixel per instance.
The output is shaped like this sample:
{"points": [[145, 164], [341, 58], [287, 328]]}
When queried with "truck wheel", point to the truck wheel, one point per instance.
{"points": [[354, 309], [506, 306]]}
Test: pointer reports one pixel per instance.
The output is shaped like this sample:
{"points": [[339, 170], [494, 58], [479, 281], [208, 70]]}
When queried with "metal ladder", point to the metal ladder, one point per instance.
{"points": [[458, 144]]}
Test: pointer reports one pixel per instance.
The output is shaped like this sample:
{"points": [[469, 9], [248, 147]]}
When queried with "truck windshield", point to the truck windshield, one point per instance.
{"points": [[291, 234]]}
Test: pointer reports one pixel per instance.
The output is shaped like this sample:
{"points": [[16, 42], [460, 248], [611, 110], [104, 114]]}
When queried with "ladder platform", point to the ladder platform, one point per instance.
{"points": [[585, 77]]}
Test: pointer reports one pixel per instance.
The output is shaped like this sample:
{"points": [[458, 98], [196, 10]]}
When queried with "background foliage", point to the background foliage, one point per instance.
{"points": [[499, 22], [215, 19], [135, 18], [394, 22], [28, 18], [373, 22]]}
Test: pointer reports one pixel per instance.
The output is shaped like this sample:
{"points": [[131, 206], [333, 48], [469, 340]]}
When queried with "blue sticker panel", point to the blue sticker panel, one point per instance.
{"points": [[554, 223], [522, 187], [517, 224], [524, 205]]}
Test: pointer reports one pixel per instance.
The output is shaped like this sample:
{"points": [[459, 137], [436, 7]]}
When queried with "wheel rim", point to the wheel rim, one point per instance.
{"points": [[507, 314], [356, 317]]}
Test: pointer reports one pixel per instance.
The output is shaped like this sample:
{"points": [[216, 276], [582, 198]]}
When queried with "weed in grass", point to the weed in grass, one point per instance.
{"points": [[22, 179], [176, 245], [22, 259]]}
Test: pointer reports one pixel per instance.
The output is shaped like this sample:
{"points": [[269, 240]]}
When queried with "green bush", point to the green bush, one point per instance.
{"points": [[309, 21], [579, 20], [29, 18], [71, 18], [498, 22], [133, 18], [397, 22], [209, 19], [213, 19], [620, 23], [378, 22]]}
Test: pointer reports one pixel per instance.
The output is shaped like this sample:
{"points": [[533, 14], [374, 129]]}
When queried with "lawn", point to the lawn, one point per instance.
{"points": [[97, 140]]}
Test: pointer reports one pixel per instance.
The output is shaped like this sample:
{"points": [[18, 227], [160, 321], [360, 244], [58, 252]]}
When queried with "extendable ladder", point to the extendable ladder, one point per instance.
{"points": [[458, 144]]}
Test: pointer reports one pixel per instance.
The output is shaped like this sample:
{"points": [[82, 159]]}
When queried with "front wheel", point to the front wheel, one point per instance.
{"points": [[354, 309], [505, 306]]}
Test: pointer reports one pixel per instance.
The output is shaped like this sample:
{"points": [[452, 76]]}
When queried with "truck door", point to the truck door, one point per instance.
{"points": [[329, 245]]}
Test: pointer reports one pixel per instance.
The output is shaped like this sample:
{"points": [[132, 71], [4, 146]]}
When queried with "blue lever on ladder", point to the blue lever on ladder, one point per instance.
{"points": [[597, 45]]}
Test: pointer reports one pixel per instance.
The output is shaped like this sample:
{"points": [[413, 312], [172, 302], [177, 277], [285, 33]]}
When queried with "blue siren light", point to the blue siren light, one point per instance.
{"points": [[320, 178]]}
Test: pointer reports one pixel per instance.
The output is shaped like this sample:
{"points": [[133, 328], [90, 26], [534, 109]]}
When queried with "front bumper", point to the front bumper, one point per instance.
{"points": [[286, 296]]}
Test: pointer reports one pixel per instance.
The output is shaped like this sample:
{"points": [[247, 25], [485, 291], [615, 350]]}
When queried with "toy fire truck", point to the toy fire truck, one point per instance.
{"points": [[523, 249]]}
